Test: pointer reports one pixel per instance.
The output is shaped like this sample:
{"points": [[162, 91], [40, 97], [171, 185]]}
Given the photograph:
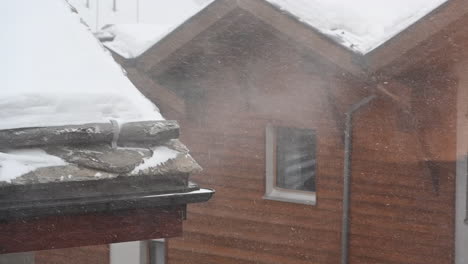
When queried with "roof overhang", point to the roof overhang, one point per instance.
{"points": [[401, 45], [361, 65], [89, 201], [95, 220], [358, 64]]}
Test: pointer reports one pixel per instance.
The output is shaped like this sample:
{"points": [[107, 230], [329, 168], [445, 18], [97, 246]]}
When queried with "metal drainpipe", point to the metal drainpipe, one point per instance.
{"points": [[348, 133], [466, 218]]}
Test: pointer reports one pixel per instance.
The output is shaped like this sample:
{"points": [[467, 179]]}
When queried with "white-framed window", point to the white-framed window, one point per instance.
{"points": [[290, 164]]}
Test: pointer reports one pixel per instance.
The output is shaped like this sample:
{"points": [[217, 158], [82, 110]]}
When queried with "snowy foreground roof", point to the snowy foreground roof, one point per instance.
{"points": [[55, 72], [360, 25], [68, 112]]}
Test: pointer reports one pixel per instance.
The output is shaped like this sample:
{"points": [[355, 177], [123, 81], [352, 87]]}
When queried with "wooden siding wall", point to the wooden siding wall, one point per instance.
{"points": [[82, 255], [402, 208], [403, 188]]}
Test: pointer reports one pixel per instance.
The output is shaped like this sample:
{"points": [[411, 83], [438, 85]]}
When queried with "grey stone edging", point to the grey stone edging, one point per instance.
{"points": [[134, 133]]}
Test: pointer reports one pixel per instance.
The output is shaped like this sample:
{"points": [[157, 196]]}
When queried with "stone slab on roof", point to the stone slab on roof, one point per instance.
{"points": [[154, 150]]}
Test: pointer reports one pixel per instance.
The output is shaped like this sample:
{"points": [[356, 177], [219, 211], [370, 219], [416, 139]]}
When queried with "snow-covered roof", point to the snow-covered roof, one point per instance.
{"points": [[360, 25], [67, 110], [55, 72], [131, 40]]}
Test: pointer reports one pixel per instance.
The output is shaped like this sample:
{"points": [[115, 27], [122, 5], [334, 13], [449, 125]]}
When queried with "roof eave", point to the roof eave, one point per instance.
{"points": [[104, 203], [184, 34], [151, 59], [345, 58], [413, 36], [358, 64]]}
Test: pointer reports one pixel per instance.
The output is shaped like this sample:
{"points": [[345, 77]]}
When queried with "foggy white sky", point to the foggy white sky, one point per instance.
{"points": [[101, 12]]}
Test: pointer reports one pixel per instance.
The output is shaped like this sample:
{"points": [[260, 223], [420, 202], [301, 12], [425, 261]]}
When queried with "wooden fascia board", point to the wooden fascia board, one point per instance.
{"points": [[415, 35], [306, 35], [163, 97], [64, 231], [443, 48], [397, 91], [185, 33]]}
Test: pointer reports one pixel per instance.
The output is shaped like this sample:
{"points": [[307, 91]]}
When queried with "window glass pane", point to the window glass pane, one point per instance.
{"points": [[296, 159]]}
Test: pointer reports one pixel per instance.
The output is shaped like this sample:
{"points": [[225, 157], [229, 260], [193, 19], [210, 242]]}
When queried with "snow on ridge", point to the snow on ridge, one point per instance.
{"points": [[132, 40], [55, 72], [360, 25]]}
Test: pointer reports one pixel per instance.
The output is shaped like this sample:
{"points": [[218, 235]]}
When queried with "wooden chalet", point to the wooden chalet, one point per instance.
{"points": [[385, 131]]}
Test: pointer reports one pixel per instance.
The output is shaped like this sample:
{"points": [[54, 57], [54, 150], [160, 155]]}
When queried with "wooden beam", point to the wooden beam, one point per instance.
{"points": [[306, 35], [397, 92], [90, 229], [166, 99], [185, 33], [400, 93]]}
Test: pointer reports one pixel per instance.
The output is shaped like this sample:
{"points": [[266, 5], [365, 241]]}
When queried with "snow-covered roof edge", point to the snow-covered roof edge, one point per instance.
{"points": [[362, 31], [132, 40], [351, 42]]}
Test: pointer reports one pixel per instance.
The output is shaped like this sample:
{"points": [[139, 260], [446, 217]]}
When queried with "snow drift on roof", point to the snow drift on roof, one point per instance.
{"points": [[132, 40], [360, 25], [54, 72], [19, 162]]}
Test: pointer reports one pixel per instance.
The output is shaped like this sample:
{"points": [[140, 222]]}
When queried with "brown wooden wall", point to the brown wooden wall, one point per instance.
{"points": [[248, 76], [402, 205], [82, 255]]}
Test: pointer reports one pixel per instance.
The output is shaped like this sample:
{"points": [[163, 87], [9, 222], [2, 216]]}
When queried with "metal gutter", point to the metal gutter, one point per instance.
{"points": [[104, 203]]}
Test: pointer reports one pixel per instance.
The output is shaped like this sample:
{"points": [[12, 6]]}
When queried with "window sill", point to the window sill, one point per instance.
{"points": [[291, 197]]}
